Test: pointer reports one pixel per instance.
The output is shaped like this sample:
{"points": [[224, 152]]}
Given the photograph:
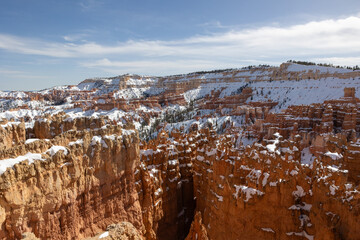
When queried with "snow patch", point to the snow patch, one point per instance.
{"points": [[267, 230], [104, 235], [333, 156], [54, 149], [30, 140], [299, 192], [248, 191]]}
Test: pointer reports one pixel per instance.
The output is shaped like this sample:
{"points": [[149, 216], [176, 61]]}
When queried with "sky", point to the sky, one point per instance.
{"points": [[45, 43]]}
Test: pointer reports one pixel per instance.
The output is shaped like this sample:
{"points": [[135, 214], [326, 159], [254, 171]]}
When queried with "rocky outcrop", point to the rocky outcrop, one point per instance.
{"points": [[244, 194], [50, 126], [197, 230], [12, 134], [84, 179], [75, 191], [29, 236], [167, 186], [120, 231]]}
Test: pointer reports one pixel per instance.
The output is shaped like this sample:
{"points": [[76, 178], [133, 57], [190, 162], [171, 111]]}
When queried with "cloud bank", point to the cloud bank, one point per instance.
{"points": [[332, 40]]}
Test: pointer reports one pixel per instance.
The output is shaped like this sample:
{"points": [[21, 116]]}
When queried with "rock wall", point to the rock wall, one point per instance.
{"points": [[197, 230], [264, 192], [11, 135], [89, 176], [74, 192], [168, 184]]}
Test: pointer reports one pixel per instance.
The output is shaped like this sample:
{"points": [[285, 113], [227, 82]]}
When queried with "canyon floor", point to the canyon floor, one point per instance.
{"points": [[254, 153]]}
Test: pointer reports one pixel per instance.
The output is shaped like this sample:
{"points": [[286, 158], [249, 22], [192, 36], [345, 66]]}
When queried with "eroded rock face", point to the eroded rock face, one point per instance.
{"points": [[75, 191], [255, 189], [89, 178], [29, 236], [167, 182], [11, 135], [197, 230], [83, 179]]}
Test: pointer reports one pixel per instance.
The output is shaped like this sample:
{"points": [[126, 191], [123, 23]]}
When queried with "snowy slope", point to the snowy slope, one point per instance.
{"points": [[293, 67], [303, 92], [205, 89], [285, 92], [13, 94]]}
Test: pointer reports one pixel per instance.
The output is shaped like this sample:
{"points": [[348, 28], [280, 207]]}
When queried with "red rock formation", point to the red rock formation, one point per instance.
{"points": [[73, 193], [197, 230], [11, 134], [167, 166], [252, 191], [213, 101]]}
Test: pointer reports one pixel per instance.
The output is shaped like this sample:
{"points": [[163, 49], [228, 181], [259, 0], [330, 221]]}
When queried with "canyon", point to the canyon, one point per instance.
{"points": [[253, 153]]}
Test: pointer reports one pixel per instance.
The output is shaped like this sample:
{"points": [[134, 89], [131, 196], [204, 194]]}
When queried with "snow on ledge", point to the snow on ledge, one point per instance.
{"points": [[299, 192], [54, 149], [98, 139], [268, 230], [30, 140], [301, 234], [104, 235], [272, 147], [248, 191], [79, 141], [334, 156], [31, 157]]}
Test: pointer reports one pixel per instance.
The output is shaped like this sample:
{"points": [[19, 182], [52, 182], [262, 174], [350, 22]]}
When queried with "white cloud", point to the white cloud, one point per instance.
{"points": [[9, 72], [151, 67], [34, 46], [270, 44], [75, 37], [87, 5]]}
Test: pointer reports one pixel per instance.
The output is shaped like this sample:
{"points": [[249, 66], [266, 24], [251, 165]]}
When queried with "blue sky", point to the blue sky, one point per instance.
{"points": [[44, 43]]}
